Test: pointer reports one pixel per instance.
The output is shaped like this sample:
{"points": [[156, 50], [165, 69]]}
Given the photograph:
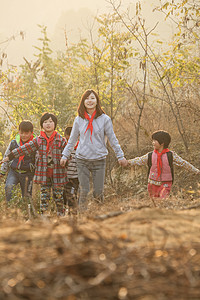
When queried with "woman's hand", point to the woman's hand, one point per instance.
{"points": [[123, 162], [63, 162]]}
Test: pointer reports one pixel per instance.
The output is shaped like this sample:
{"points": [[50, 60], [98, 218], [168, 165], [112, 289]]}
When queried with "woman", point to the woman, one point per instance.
{"points": [[92, 126]]}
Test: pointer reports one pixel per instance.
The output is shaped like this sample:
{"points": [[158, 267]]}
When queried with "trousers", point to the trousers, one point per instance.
{"points": [[14, 178], [160, 191], [97, 169], [70, 192], [46, 196]]}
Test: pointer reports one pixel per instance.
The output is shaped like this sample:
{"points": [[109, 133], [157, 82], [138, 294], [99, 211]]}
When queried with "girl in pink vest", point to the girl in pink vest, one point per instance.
{"points": [[160, 163]]}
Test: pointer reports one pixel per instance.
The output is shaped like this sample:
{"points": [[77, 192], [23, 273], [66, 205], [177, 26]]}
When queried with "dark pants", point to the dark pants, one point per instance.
{"points": [[46, 196], [24, 179], [70, 192]]}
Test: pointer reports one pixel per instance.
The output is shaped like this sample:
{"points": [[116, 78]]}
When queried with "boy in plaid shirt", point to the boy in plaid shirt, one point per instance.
{"points": [[48, 172]]}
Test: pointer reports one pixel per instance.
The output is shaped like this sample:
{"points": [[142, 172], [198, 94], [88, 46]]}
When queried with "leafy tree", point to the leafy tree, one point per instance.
{"points": [[52, 86], [115, 60], [100, 63], [38, 86], [162, 77], [186, 15], [182, 60]]}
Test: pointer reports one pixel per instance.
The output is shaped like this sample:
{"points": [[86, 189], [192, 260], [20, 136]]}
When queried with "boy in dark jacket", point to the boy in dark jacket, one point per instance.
{"points": [[48, 172], [20, 170]]}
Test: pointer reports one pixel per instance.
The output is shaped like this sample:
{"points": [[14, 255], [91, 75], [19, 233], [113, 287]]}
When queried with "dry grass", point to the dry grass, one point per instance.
{"points": [[123, 249]]}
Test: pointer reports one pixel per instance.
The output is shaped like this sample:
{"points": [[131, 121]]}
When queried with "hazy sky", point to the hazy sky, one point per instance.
{"points": [[16, 15]]}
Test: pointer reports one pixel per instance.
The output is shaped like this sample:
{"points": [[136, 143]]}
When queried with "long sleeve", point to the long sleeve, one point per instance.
{"points": [[25, 149], [5, 165], [72, 140], [92, 147], [139, 161], [177, 160], [113, 140]]}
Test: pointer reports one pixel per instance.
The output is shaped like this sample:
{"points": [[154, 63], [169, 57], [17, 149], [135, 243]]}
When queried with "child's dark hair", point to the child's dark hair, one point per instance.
{"points": [[46, 116], [26, 126], [67, 131], [163, 137]]}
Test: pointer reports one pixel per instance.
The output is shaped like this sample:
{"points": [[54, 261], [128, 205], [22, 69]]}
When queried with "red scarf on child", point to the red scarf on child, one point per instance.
{"points": [[90, 126], [48, 139], [159, 160], [21, 144]]}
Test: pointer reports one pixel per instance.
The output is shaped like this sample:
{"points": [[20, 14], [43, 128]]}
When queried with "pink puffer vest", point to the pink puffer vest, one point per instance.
{"points": [[166, 174]]}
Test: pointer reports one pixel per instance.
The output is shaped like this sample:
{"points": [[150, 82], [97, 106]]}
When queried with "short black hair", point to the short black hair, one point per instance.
{"points": [[68, 130], [26, 126], [163, 137], [46, 116]]}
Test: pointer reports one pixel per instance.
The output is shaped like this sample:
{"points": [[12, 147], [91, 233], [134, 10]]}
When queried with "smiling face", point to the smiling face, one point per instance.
{"points": [[90, 103], [48, 126]]}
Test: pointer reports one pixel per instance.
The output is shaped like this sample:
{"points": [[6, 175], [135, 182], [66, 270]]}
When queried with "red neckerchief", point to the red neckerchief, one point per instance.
{"points": [[49, 140], [76, 145], [21, 144], [90, 122], [159, 160]]}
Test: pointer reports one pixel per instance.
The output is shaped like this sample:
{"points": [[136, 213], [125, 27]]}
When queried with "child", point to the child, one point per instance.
{"points": [[48, 172], [71, 187], [21, 169], [92, 127], [160, 163]]}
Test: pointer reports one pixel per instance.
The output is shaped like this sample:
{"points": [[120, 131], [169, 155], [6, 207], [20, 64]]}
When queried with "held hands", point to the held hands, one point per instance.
{"points": [[63, 162], [123, 162]]}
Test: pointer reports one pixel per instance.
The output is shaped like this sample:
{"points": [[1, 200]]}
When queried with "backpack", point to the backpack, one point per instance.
{"points": [[170, 160], [28, 162]]}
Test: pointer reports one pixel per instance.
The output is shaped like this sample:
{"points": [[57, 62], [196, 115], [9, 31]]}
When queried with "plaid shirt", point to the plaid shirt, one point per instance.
{"points": [[39, 144]]}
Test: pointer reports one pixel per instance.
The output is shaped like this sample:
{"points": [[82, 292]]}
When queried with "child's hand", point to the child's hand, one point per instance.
{"points": [[5, 159], [63, 162]]}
